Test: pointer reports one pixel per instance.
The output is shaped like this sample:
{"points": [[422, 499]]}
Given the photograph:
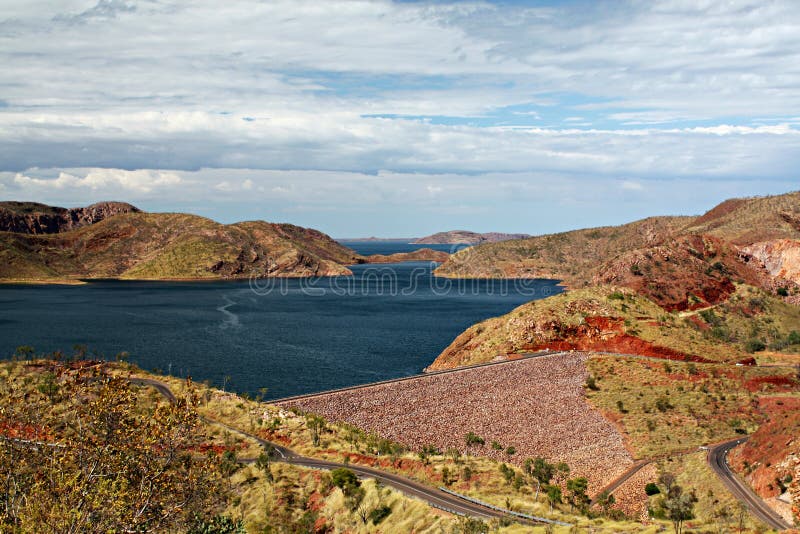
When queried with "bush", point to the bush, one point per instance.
{"points": [[379, 514], [616, 295], [783, 292], [663, 404], [511, 451], [652, 489], [496, 446], [591, 383], [754, 345], [473, 439]]}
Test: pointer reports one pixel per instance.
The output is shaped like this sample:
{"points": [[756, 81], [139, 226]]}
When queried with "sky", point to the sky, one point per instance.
{"points": [[400, 119]]}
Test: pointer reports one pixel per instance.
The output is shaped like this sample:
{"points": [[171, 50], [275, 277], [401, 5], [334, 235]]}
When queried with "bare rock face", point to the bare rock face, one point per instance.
{"points": [[781, 258], [34, 218]]}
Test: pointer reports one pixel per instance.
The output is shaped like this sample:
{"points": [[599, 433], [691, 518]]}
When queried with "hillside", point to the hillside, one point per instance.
{"points": [[172, 246], [681, 262], [465, 237], [35, 218], [619, 320], [422, 254]]}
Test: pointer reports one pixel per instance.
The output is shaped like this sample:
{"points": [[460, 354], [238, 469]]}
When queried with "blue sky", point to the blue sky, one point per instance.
{"points": [[400, 118]]}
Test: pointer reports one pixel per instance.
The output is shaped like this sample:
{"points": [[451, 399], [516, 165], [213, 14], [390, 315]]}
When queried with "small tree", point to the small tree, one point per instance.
{"points": [[679, 507], [553, 495], [577, 492], [606, 500], [348, 482], [540, 470], [316, 425], [264, 463]]}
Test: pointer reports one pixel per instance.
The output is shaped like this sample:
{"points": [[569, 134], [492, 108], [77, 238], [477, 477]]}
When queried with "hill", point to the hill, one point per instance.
{"points": [[619, 320], [464, 237], [680, 262], [138, 245], [35, 218]]}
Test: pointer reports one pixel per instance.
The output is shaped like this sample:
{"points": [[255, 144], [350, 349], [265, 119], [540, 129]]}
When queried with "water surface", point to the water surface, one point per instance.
{"points": [[289, 336]]}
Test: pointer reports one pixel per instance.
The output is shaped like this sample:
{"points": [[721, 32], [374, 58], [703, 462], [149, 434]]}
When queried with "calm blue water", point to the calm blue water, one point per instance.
{"points": [[290, 336]]}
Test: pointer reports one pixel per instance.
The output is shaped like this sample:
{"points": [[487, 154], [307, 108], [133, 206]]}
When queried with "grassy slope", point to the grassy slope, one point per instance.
{"points": [[169, 245], [750, 220], [569, 256], [575, 320], [662, 257]]}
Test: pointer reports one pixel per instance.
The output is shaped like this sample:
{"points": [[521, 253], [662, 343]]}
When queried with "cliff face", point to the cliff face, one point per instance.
{"points": [[33, 218], [139, 245], [781, 257]]}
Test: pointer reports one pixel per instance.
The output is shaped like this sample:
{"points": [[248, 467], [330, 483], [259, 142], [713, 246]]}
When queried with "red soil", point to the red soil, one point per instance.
{"points": [[606, 334], [762, 458]]}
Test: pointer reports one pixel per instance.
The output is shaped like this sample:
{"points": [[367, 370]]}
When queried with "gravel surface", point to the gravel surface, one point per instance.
{"points": [[537, 405]]}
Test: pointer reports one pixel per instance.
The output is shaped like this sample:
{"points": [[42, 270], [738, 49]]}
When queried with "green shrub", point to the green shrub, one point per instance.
{"points": [[379, 514], [473, 439], [754, 345], [652, 489]]}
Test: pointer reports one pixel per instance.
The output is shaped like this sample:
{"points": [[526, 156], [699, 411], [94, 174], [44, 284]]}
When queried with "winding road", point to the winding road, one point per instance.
{"points": [[433, 496], [718, 459]]}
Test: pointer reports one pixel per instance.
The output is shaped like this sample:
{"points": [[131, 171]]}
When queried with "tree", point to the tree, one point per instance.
{"points": [[316, 425], [348, 482], [606, 500], [104, 462], [553, 495], [678, 506], [540, 470], [577, 492], [264, 463]]}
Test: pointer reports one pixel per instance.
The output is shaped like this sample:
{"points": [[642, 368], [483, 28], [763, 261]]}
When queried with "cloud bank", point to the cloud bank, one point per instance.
{"points": [[445, 113]]}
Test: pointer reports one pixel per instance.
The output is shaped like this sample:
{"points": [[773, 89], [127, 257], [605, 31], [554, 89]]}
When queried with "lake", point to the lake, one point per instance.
{"points": [[289, 336]]}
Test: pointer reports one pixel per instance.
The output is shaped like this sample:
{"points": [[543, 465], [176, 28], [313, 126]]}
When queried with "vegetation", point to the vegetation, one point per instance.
{"points": [[171, 246]]}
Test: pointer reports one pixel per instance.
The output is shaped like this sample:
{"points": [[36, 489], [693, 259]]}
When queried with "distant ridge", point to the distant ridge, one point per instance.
{"points": [[465, 237]]}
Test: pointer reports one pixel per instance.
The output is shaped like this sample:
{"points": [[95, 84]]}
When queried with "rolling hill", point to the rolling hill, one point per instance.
{"points": [[680, 262], [136, 245]]}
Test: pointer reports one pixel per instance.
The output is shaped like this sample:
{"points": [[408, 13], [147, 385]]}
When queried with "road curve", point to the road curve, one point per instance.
{"points": [[718, 460], [433, 496]]}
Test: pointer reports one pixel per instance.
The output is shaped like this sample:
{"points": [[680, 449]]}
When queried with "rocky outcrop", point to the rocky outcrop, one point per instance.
{"points": [[34, 218], [781, 258], [687, 272]]}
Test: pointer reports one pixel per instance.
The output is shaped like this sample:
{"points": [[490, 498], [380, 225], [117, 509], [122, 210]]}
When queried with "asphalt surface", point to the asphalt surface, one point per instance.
{"points": [[718, 460]]}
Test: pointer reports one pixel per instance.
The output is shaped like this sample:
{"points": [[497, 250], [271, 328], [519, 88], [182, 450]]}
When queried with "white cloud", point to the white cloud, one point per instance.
{"points": [[288, 92], [140, 181], [629, 185]]}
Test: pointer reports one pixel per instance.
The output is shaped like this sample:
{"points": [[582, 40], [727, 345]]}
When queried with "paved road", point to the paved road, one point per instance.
{"points": [[718, 459], [432, 496]]}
